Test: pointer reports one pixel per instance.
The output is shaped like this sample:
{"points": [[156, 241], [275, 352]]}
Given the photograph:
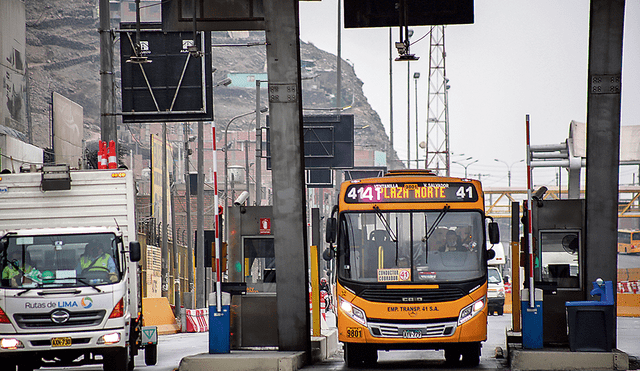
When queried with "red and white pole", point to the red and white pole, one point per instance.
{"points": [[217, 224], [529, 218]]}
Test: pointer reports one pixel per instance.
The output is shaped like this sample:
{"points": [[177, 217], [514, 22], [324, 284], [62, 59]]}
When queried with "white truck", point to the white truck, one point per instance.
{"points": [[70, 289]]}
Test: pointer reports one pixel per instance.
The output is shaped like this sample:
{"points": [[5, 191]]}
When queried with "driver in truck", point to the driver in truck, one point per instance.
{"points": [[95, 258]]}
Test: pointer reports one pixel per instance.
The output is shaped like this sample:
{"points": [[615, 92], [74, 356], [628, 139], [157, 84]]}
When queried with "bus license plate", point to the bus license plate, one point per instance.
{"points": [[61, 342], [412, 334], [354, 332]]}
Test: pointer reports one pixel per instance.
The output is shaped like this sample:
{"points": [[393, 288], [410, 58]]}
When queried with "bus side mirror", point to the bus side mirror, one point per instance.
{"points": [[494, 233], [331, 230], [134, 251]]}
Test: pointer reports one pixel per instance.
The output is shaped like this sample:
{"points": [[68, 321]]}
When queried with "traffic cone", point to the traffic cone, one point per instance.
{"points": [[100, 153], [112, 155], [103, 159]]}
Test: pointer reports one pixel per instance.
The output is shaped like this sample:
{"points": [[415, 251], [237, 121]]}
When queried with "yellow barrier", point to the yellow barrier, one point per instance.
{"points": [[157, 312]]}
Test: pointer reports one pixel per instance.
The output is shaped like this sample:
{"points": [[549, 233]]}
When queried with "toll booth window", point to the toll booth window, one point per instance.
{"points": [[557, 262], [260, 265]]}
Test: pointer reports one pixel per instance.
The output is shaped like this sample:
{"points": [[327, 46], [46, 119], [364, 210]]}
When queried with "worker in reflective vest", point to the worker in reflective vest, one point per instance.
{"points": [[96, 259], [15, 270]]}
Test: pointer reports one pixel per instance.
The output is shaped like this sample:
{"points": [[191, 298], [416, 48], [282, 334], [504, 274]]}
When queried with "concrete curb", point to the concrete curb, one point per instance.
{"points": [[241, 360], [566, 360]]}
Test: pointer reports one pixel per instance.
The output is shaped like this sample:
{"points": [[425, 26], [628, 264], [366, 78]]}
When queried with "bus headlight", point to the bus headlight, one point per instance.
{"points": [[354, 312], [471, 310]]}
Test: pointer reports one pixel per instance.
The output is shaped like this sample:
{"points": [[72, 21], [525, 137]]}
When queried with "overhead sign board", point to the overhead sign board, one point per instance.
{"points": [[213, 15], [174, 85], [385, 13], [328, 141]]}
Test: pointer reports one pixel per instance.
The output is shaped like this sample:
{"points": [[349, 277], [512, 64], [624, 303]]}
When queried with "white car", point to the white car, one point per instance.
{"points": [[495, 292]]}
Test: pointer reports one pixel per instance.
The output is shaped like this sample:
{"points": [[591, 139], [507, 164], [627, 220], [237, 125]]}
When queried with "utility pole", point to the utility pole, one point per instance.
{"points": [[107, 96], [258, 199], [187, 194], [165, 247], [200, 276]]}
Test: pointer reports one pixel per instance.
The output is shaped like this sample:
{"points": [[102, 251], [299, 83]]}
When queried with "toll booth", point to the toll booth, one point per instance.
{"points": [[251, 254], [559, 261]]}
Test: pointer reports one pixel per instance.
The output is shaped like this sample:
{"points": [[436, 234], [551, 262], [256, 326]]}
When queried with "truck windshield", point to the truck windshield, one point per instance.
{"points": [[411, 246], [66, 260]]}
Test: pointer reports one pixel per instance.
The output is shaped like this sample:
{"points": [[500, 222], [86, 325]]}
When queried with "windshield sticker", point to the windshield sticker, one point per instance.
{"points": [[394, 275], [24, 241]]}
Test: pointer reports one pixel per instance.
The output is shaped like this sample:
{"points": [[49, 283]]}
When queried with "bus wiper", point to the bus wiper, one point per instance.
{"points": [[438, 220], [386, 225], [426, 240]]}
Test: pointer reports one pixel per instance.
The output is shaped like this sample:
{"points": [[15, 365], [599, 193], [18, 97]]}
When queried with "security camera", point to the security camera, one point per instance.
{"points": [[242, 198]]}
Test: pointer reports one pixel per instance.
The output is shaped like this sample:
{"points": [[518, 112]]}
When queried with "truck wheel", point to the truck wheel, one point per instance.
{"points": [[500, 311], [118, 360], [151, 354]]}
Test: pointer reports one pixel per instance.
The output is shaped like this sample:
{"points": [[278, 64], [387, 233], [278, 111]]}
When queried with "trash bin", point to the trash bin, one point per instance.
{"points": [[590, 323], [531, 320], [219, 323]]}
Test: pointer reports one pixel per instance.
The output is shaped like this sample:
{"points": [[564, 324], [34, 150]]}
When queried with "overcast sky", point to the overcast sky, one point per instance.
{"points": [[519, 57]]}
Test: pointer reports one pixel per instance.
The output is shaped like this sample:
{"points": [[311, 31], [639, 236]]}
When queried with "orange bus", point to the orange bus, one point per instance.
{"points": [[628, 241], [411, 265]]}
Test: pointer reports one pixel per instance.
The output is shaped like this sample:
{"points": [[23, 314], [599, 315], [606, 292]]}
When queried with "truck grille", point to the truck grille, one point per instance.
{"points": [[412, 295], [40, 320]]}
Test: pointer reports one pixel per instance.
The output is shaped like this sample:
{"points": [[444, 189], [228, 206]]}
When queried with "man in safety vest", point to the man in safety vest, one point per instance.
{"points": [[95, 259], [17, 273]]}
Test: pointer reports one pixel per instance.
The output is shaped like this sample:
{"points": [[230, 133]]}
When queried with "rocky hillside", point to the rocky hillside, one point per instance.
{"points": [[63, 56]]}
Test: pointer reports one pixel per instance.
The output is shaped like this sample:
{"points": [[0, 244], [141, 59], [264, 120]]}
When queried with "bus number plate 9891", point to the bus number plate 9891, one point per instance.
{"points": [[354, 332]]}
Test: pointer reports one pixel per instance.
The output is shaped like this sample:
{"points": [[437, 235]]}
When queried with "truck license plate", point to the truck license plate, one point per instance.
{"points": [[61, 342], [412, 334]]}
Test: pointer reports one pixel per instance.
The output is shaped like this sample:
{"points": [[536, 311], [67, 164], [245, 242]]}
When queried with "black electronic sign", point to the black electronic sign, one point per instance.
{"points": [[166, 82], [410, 192], [385, 13], [328, 141]]}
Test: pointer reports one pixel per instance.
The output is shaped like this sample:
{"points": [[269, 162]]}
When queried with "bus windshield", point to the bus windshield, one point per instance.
{"points": [[71, 260], [432, 246]]}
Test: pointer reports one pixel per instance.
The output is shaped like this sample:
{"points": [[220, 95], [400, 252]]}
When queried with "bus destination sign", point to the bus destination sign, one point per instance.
{"points": [[410, 192]]}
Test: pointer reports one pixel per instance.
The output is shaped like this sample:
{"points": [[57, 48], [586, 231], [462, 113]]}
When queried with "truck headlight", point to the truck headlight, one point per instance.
{"points": [[471, 310], [111, 338], [501, 293], [10, 343], [354, 312]]}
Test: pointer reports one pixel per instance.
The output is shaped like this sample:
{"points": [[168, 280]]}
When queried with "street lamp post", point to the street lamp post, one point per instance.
{"points": [[226, 164], [465, 166], [508, 168]]}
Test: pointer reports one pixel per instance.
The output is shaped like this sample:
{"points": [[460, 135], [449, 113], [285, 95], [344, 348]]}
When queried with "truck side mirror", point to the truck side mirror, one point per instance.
{"points": [[494, 233], [331, 230], [134, 251]]}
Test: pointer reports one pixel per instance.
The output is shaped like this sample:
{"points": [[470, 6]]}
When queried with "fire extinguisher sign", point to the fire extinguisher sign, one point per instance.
{"points": [[265, 225]]}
